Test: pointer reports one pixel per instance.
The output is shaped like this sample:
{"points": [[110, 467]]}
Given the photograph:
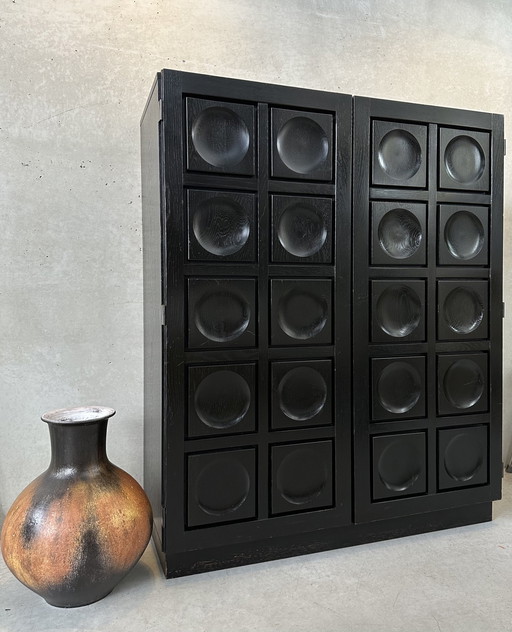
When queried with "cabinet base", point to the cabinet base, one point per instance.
{"points": [[216, 558]]}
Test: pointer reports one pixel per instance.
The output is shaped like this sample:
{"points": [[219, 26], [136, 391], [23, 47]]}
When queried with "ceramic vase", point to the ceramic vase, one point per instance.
{"points": [[79, 527]]}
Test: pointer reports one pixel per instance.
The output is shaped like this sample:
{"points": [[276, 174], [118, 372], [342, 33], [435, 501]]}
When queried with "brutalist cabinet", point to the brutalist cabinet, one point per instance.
{"points": [[322, 314]]}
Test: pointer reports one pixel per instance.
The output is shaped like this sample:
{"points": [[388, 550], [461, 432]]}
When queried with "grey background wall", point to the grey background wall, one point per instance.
{"points": [[74, 77]]}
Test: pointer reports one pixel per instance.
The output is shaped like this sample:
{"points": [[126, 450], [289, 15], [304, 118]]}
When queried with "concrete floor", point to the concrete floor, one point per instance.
{"points": [[449, 581]]}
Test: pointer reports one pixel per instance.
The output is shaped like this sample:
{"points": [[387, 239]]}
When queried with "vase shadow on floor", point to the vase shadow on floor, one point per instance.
{"points": [[139, 578]]}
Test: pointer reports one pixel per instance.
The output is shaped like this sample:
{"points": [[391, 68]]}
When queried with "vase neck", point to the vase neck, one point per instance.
{"points": [[78, 446]]}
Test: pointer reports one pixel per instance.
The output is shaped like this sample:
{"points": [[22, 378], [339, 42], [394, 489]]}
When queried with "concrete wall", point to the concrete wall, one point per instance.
{"points": [[74, 77]]}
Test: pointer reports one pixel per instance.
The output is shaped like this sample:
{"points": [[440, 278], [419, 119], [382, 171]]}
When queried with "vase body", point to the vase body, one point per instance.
{"points": [[79, 527]]}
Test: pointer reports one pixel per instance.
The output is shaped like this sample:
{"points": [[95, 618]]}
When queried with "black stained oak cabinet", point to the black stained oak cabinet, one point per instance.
{"points": [[322, 319]]}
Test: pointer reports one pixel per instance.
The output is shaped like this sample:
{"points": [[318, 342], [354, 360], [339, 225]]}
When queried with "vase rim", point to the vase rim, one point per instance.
{"points": [[78, 415]]}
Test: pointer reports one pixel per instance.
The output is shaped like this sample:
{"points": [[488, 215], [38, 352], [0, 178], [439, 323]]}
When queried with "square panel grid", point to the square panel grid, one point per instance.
{"points": [[260, 208], [250, 310], [427, 322]]}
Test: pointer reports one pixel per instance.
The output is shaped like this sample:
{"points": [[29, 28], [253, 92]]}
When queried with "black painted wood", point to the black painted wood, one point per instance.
{"points": [[427, 417], [256, 247], [303, 390], [213, 558]]}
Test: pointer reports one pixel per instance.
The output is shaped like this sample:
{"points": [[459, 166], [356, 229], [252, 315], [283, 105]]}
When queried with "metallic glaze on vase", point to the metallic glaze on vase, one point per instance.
{"points": [[79, 527]]}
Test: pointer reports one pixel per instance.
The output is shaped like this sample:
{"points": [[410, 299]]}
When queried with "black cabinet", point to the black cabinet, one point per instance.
{"points": [[428, 309], [322, 315]]}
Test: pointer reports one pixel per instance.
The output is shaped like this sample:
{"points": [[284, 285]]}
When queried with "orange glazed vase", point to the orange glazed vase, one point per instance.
{"points": [[79, 527]]}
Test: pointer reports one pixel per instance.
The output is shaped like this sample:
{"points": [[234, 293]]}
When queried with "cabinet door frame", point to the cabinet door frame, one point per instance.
{"points": [[430, 497], [333, 114]]}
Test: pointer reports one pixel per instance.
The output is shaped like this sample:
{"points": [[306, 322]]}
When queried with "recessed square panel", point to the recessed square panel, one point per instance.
{"points": [[221, 226], [464, 159], [220, 136], [221, 399], [398, 388], [399, 234], [399, 465], [221, 313], [398, 310], [463, 235], [302, 229], [301, 145], [463, 457], [221, 487], [301, 394], [302, 476], [399, 154], [462, 310], [462, 383], [301, 311]]}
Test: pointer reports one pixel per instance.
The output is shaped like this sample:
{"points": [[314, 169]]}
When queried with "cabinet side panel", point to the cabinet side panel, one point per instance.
{"points": [[152, 257], [497, 305]]}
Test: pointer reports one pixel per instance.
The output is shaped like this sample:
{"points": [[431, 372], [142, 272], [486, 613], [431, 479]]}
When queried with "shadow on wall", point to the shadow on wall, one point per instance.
{"points": [[507, 425], [3, 509]]}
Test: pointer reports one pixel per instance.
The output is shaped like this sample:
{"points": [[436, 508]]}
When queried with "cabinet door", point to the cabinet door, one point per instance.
{"points": [[257, 434], [428, 308]]}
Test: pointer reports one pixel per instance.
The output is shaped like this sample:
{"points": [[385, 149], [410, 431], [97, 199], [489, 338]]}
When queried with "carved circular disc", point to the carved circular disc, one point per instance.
{"points": [[399, 466], [222, 486], [400, 233], [302, 144], [463, 457], [398, 311], [302, 393], [222, 399], [222, 316], [220, 137], [301, 476], [399, 154], [463, 383], [301, 315], [463, 310], [301, 230], [464, 159], [399, 387], [464, 235], [221, 226]]}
